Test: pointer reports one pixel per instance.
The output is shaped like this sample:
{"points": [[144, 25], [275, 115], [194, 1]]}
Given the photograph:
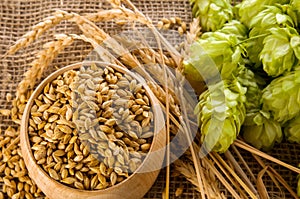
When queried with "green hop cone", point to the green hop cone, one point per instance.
{"points": [[248, 9], [261, 130], [292, 130], [213, 54], [282, 15], [271, 16], [282, 97], [281, 51], [213, 14], [221, 113]]}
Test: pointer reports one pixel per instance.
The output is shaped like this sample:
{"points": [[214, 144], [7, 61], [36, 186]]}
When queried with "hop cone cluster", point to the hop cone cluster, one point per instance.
{"points": [[292, 130], [250, 8], [213, 14], [282, 97], [271, 16], [221, 113], [261, 130]]}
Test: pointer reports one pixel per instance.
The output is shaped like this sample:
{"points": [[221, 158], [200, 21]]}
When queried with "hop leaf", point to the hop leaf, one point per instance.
{"points": [[261, 130], [280, 51], [292, 130], [282, 97], [213, 14], [248, 9], [221, 113], [213, 54]]}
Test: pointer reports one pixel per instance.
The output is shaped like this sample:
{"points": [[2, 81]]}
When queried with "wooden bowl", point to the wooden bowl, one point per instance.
{"points": [[135, 186]]}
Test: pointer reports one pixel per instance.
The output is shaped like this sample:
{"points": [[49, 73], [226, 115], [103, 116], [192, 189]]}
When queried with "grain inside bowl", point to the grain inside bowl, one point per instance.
{"points": [[91, 128]]}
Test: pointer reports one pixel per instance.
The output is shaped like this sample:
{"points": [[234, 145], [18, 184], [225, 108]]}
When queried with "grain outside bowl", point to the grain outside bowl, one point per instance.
{"points": [[135, 186]]}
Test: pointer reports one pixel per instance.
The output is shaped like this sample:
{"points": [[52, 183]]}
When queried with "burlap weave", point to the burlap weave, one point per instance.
{"points": [[16, 18]]}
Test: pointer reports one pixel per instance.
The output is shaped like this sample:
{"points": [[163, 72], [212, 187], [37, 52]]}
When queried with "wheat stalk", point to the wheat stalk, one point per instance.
{"points": [[42, 61], [90, 30], [240, 185], [39, 29], [38, 66], [166, 91], [85, 39], [186, 168], [195, 31], [240, 171], [112, 14], [240, 157], [166, 88], [131, 15], [150, 58], [243, 145], [45, 57], [191, 36], [188, 171]]}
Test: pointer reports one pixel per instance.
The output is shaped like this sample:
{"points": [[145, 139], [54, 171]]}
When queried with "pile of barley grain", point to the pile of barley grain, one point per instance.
{"points": [[90, 129]]}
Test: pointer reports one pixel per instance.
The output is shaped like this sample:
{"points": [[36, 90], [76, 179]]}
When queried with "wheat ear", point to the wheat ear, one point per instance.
{"points": [[38, 66], [43, 59], [39, 29]]}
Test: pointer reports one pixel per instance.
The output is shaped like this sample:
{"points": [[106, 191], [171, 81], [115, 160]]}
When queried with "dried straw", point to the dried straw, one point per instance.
{"points": [[253, 178], [275, 177], [263, 193], [216, 157], [240, 171], [243, 145]]}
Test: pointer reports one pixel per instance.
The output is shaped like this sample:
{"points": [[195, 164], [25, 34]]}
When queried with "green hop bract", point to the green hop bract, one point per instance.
{"points": [[213, 14]]}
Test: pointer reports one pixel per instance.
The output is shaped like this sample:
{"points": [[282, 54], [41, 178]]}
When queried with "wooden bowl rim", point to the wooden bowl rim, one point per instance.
{"points": [[24, 138]]}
